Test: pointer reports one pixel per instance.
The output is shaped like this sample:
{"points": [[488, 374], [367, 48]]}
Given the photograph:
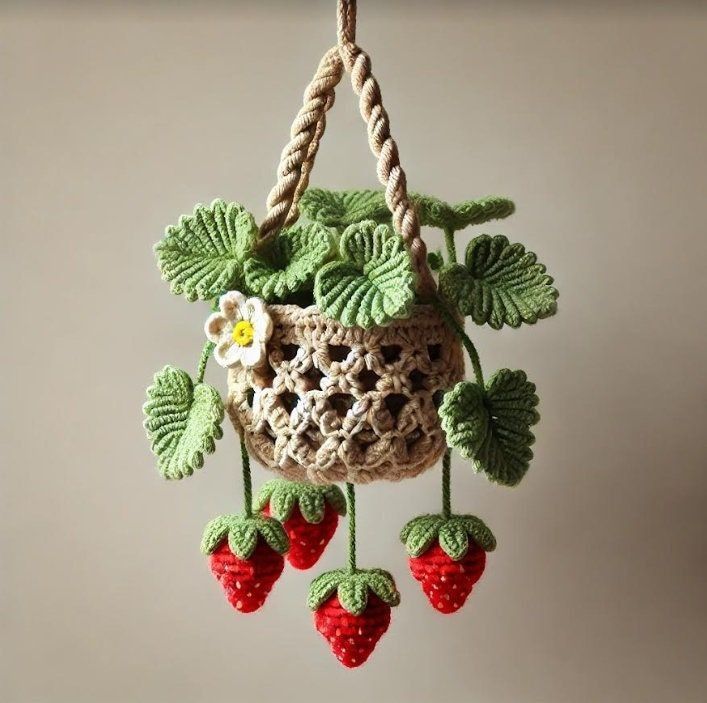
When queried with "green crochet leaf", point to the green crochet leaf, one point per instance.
{"points": [[242, 533], [491, 426], [500, 284], [182, 420], [419, 534], [291, 263], [343, 208], [452, 533], [203, 255], [282, 496], [352, 588], [374, 282], [434, 212]]}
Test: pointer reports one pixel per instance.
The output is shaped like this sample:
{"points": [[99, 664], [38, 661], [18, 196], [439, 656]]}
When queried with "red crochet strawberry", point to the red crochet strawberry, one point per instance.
{"points": [[246, 557], [309, 514], [444, 559], [352, 611]]}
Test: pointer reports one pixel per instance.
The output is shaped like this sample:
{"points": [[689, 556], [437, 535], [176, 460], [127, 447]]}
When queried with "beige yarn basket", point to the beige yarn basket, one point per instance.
{"points": [[339, 403]]}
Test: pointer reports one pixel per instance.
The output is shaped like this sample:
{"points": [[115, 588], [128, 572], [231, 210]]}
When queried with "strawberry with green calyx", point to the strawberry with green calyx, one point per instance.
{"points": [[352, 606], [352, 610], [246, 557], [447, 556], [309, 514]]}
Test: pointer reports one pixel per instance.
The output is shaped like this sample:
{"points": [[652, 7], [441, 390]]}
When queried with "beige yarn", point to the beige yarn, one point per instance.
{"points": [[339, 403], [297, 159]]}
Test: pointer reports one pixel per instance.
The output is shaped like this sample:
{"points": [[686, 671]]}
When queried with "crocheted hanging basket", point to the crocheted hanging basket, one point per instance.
{"points": [[336, 403], [344, 358]]}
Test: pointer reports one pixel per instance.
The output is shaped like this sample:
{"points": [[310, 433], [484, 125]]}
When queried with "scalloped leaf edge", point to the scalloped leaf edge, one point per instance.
{"points": [[352, 588], [452, 534], [283, 495], [242, 533]]}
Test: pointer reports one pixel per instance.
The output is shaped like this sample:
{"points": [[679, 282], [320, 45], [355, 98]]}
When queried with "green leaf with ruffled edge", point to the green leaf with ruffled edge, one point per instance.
{"points": [[491, 426], [374, 282], [453, 539], [203, 255], [291, 262], [452, 533], [282, 496], [343, 208], [500, 284], [434, 212], [352, 589], [242, 533], [419, 534], [182, 421]]}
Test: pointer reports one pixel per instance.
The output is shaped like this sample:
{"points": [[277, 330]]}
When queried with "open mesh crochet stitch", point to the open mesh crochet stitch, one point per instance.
{"points": [[339, 403]]}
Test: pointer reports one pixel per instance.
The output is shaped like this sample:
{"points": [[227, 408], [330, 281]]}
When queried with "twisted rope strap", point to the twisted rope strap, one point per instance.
{"points": [[297, 158], [390, 173]]}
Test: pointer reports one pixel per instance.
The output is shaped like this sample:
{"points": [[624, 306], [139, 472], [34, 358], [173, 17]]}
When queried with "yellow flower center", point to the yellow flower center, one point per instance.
{"points": [[243, 333]]}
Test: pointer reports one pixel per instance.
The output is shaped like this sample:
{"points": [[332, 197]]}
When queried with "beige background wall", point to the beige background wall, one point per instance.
{"points": [[117, 118]]}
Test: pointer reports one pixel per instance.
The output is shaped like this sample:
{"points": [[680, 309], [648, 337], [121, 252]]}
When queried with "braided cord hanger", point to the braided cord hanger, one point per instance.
{"points": [[297, 158]]}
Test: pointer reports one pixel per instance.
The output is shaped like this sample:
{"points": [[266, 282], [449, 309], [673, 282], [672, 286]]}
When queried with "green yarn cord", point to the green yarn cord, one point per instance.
{"points": [[450, 244], [462, 335], [203, 360], [247, 482], [351, 509], [446, 484]]}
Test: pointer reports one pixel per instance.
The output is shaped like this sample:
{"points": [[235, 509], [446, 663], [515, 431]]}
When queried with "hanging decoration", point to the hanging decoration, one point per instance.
{"points": [[344, 342]]}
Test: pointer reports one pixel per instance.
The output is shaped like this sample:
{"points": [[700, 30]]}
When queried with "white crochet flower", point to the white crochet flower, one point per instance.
{"points": [[240, 331]]}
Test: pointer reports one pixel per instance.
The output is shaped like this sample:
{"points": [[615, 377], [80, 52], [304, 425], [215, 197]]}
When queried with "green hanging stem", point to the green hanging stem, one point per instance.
{"points": [[446, 485], [351, 512], [462, 335], [203, 360], [247, 482], [450, 244]]}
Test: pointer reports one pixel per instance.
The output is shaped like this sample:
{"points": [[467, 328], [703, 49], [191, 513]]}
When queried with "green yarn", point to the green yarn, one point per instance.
{"points": [[203, 255], [247, 480], [434, 212], [291, 262], [311, 499], [446, 484], [203, 360], [242, 532], [343, 208], [457, 328], [352, 588], [452, 533], [491, 425], [351, 509], [500, 284], [373, 283], [182, 420]]}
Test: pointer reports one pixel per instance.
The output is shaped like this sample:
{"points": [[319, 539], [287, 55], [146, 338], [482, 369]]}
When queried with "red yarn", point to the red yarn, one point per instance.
{"points": [[308, 540], [448, 583], [247, 582], [352, 638]]}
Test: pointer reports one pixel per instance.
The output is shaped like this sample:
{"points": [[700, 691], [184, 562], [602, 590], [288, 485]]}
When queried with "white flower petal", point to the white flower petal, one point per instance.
{"points": [[262, 326], [232, 305], [234, 356], [222, 352], [215, 326], [252, 355]]}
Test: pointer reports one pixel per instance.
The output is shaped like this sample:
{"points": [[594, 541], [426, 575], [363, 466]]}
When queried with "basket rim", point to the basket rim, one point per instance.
{"points": [[424, 311]]}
